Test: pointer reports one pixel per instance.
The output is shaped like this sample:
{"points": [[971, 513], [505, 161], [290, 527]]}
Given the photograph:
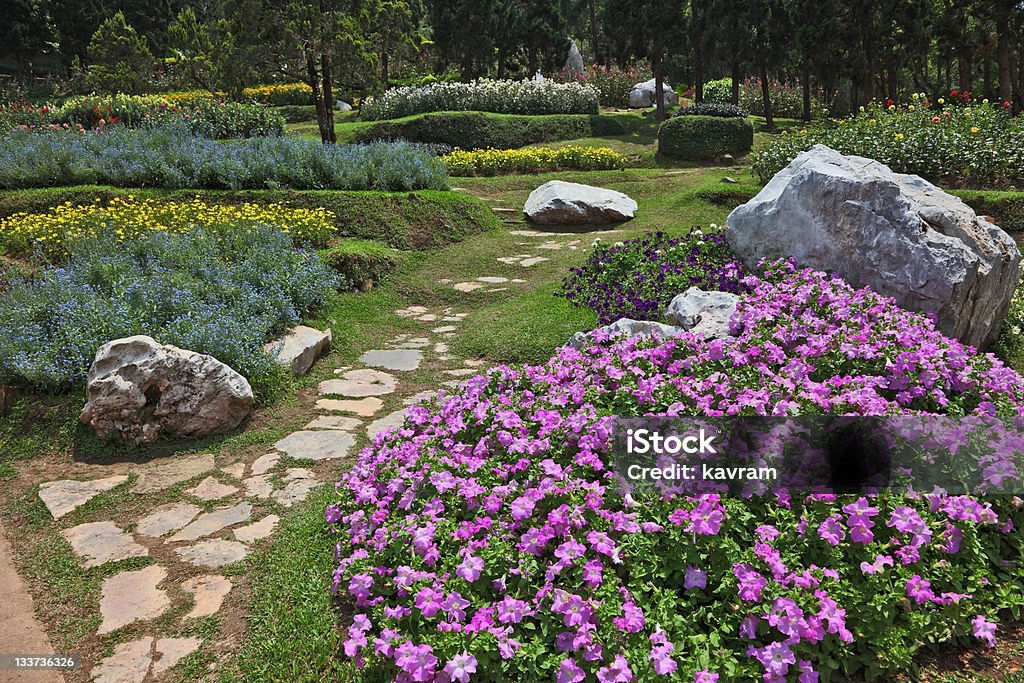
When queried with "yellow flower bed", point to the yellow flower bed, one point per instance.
{"points": [[23, 233], [462, 162], [280, 94]]}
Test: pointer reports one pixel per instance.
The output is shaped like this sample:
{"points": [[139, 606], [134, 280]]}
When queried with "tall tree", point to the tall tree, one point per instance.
{"points": [[25, 31]]}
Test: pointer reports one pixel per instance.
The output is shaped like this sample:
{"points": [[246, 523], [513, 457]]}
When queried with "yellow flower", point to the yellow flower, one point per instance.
{"points": [[803, 131], [872, 122], [899, 136], [974, 129]]}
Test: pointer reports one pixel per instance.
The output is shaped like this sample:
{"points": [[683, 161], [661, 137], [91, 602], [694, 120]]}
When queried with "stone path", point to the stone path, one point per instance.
{"points": [[226, 508]]}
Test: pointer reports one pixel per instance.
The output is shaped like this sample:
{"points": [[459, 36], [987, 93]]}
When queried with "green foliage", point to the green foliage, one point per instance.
{"points": [[696, 138], [611, 82], [478, 130], [1007, 208], [718, 91], [724, 111], [973, 146], [359, 261], [121, 60], [401, 220]]}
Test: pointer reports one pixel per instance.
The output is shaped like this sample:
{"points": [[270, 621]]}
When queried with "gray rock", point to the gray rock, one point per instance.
{"points": [[392, 420], [574, 61], [167, 518], [898, 234], [316, 445], [66, 495], [359, 384], [625, 327], [393, 359], [138, 390], [132, 596], [560, 203], [212, 522], [299, 348], [208, 592], [160, 475], [102, 542], [643, 95], [213, 554], [728, 180], [704, 313], [342, 105]]}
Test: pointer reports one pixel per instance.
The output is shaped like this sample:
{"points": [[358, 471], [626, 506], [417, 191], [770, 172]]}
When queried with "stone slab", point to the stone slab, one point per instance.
{"points": [[167, 518], [360, 384], [132, 596], [208, 592], [212, 489], [212, 522], [160, 475], [66, 495], [213, 554], [102, 542], [364, 407], [257, 530], [316, 445], [393, 359]]}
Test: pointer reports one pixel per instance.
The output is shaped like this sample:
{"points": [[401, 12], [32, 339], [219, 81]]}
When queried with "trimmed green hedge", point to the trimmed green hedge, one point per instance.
{"points": [[697, 138], [427, 219], [1006, 207], [479, 130], [362, 261]]}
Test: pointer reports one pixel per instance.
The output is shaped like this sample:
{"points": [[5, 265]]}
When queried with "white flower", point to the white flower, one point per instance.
{"points": [[1015, 329], [618, 244]]}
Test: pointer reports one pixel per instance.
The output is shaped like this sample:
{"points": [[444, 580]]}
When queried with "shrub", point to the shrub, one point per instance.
{"points": [[121, 60], [490, 162], [477, 130], [501, 97], [127, 218], [611, 82], [696, 138], [724, 111], [978, 146], [15, 114], [638, 278], [215, 119], [223, 293], [173, 157], [1007, 208], [280, 94], [787, 99], [485, 537], [360, 261], [718, 91]]}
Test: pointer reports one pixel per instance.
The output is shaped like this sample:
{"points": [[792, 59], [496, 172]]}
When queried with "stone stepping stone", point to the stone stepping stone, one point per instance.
{"points": [[421, 397], [132, 596], [526, 263], [446, 358], [393, 359], [133, 661], [390, 420], [208, 592], [492, 280], [528, 233], [461, 372], [161, 475], [259, 486], [550, 245], [359, 384], [236, 470], [338, 422], [316, 445], [467, 286], [212, 489], [440, 347], [411, 311], [497, 289], [517, 280], [67, 495], [257, 530], [474, 362], [167, 518], [364, 407], [102, 542], [214, 553], [428, 318], [294, 492], [445, 329], [212, 522], [265, 463], [418, 343]]}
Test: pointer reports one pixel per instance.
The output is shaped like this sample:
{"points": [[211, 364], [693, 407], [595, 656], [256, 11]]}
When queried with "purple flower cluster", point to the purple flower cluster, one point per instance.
{"points": [[484, 539], [638, 278]]}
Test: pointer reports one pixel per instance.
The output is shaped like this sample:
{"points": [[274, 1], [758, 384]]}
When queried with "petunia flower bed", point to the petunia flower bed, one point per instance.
{"points": [[483, 540], [638, 278]]}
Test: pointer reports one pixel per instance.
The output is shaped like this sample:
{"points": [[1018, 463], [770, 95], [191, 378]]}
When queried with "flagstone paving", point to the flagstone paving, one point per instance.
{"points": [[133, 596], [213, 554], [208, 592], [102, 542], [62, 497]]}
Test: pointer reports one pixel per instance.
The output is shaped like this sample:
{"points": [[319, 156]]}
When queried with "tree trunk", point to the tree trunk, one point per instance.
{"points": [[805, 78], [659, 88], [766, 96], [1003, 58], [313, 79], [736, 83], [384, 75], [598, 57], [964, 73], [328, 95]]}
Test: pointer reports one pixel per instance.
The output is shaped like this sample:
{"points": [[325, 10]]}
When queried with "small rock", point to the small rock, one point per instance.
{"points": [[440, 347], [492, 280], [294, 473], [704, 313], [645, 94], [212, 489], [132, 596], [729, 180], [294, 492], [257, 530], [364, 407], [428, 318], [212, 522], [467, 286], [265, 463], [259, 486], [310, 445], [526, 263], [338, 422], [421, 397], [393, 359], [625, 327], [461, 372], [359, 384], [445, 328], [160, 475], [102, 542], [208, 592], [299, 348], [213, 554], [66, 495], [167, 518], [728, 159]]}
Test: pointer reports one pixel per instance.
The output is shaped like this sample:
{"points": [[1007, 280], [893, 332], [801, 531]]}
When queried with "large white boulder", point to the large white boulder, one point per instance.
{"points": [[139, 389], [299, 348], [898, 234], [703, 313], [642, 95], [560, 203]]}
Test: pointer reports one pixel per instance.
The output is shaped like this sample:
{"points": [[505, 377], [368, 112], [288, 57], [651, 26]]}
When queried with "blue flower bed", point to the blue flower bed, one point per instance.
{"points": [[222, 295], [173, 157]]}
